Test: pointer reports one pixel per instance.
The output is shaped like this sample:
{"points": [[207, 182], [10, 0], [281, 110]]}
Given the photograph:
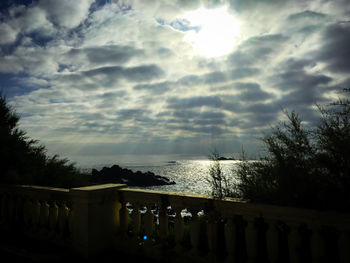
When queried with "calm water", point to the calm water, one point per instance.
{"points": [[189, 175]]}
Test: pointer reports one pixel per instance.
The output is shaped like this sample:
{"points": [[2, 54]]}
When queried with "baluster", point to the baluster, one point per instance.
{"points": [[136, 221], [251, 238], [344, 246], [212, 235], [293, 242], [231, 240], [27, 215], [63, 213], [163, 225], [149, 221], [4, 210], [272, 241], [44, 215], [124, 214], [316, 243], [70, 221], [11, 209], [35, 214], [1, 206], [195, 231], [53, 218], [19, 209], [116, 212], [149, 225], [178, 228]]}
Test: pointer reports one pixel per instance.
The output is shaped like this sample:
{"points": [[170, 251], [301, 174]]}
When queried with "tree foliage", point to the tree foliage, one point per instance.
{"points": [[24, 161], [220, 184], [305, 167]]}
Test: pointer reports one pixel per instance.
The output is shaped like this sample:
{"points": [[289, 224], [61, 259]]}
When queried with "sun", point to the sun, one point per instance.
{"points": [[216, 33]]}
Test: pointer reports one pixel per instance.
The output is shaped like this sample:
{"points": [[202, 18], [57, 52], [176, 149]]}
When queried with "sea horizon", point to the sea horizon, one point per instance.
{"points": [[189, 172], [127, 160]]}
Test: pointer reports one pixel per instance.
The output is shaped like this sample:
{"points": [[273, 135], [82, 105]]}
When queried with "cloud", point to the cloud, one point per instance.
{"points": [[257, 49], [111, 73], [108, 54], [66, 13], [7, 33], [109, 76], [307, 16], [155, 88], [194, 102], [218, 76], [251, 91], [335, 50]]}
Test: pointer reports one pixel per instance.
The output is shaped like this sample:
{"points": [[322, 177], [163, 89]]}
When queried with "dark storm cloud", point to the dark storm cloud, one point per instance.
{"points": [[106, 54], [335, 50]]}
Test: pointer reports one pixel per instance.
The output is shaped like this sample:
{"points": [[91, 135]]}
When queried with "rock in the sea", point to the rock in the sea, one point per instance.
{"points": [[226, 159], [116, 174]]}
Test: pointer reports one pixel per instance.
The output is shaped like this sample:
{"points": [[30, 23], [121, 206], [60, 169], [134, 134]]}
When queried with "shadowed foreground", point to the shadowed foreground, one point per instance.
{"points": [[109, 222], [15, 246]]}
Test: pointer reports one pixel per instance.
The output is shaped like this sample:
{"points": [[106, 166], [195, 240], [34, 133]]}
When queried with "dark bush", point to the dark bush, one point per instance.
{"points": [[304, 167], [24, 161]]}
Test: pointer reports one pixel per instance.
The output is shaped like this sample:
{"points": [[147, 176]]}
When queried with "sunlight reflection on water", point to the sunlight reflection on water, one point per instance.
{"points": [[189, 175]]}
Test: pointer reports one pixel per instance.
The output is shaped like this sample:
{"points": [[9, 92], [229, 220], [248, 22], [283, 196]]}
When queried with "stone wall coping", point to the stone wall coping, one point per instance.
{"points": [[99, 187]]}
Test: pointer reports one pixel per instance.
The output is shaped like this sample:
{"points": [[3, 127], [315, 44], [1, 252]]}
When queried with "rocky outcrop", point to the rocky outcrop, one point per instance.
{"points": [[119, 175], [225, 159]]}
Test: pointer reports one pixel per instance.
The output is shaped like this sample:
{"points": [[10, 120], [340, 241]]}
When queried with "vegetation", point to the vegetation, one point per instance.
{"points": [[304, 167], [23, 161], [220, 184]]}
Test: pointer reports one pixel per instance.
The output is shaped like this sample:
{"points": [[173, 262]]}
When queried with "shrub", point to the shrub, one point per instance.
{"points": [[23, 161], [303, 167], [220, 184]]}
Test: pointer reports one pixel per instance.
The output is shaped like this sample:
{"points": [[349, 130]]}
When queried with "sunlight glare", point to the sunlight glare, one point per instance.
{"points": [[217, 32]]}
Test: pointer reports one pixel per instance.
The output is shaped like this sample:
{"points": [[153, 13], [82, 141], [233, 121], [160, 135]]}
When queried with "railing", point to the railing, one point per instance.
{"points": [[175, 227]]}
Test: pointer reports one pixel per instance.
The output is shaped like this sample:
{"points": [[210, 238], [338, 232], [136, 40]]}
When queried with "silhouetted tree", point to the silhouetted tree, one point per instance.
{"points": [[304, 167], [23, 161], [220, 184]]}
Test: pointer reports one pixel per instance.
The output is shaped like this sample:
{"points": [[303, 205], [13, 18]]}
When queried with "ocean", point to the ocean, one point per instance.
{"points": [[189, 174]]}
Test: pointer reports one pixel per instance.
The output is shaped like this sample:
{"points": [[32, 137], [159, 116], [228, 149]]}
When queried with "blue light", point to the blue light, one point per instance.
{"points": [[144, 237]]}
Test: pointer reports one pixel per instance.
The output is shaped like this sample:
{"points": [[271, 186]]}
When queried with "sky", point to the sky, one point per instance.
{"points": [[97, 79]]}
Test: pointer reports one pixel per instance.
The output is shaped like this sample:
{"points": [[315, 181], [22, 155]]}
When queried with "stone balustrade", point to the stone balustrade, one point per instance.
{"points": [[175, 227]]}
